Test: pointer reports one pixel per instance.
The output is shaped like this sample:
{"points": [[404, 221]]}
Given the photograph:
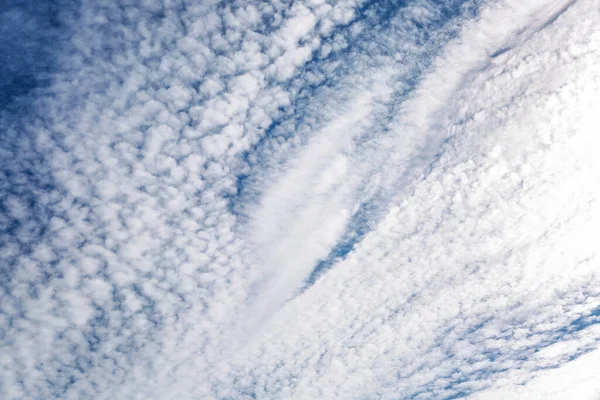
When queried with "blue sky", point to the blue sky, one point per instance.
{"points": [[298, 200]]}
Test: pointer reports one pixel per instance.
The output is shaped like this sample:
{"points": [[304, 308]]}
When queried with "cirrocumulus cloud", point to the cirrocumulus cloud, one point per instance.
{"points": [[299, 199]]}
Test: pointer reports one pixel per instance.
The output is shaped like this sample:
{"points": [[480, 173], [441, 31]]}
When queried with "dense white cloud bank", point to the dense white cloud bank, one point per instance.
{"points": [[275, 200]]}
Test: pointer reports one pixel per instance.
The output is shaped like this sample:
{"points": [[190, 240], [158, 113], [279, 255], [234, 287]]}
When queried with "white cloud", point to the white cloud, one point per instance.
{"points": [[574, 380], [192, 164]]}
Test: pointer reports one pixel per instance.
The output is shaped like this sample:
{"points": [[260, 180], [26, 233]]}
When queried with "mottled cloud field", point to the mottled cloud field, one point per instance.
{"points": [[300, 199]]}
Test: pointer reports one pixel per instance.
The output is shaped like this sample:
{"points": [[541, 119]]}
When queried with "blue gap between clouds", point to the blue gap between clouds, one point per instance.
{"points": [[376, 16], [367, 215], [30, 34], [524, 354]]}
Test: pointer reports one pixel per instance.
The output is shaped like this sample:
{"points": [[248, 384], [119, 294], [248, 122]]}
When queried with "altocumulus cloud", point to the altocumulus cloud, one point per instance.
{"points": [[299, 200]]}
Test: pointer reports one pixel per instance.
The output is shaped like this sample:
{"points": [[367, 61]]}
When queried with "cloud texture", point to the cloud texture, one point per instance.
{"points": [[298, 200]]}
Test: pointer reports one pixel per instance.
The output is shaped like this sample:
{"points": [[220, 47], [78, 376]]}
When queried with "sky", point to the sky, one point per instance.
{"points": [[299, 199]]}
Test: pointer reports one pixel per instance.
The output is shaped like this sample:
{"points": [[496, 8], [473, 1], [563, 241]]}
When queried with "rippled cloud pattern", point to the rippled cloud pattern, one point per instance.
{"points": [[313, 199]]}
